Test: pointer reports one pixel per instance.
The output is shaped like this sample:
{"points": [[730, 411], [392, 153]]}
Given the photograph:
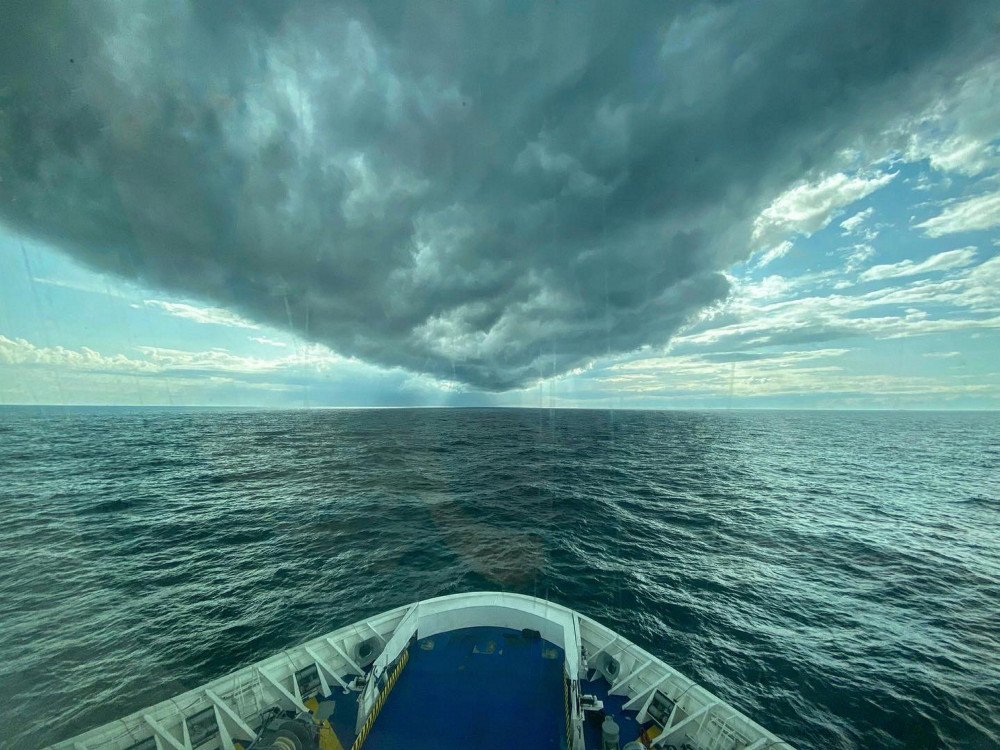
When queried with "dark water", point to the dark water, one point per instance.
{"points": [[834, 575]]}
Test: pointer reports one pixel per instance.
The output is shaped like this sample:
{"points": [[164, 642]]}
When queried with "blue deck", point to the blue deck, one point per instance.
{"points": [[628, 727], [482, 688]]}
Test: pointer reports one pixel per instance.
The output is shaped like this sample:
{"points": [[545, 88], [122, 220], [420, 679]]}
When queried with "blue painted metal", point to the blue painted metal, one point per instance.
{"points": [[629, 728], [476, 688], [344, 715]]}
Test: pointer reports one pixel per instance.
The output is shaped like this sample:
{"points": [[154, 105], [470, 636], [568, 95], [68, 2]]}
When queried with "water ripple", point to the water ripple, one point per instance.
{"points": [[835, 575]]}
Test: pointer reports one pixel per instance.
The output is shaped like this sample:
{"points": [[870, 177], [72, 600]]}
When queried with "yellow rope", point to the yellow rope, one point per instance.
{"points": [[380, 701]]}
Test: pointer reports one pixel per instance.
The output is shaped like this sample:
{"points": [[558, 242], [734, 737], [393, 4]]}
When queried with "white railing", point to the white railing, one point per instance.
{"points": [[698, 717], [238, 699]]}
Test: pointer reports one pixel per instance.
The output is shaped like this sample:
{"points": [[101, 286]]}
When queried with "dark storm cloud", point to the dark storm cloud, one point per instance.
{"points": [[480, 193]]}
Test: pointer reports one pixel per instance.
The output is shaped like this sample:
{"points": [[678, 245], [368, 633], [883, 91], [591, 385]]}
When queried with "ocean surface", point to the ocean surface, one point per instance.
{"points": [[835, 575]]}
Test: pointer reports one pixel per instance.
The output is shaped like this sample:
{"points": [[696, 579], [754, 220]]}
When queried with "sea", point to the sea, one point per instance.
{"points": [[834, 575]]}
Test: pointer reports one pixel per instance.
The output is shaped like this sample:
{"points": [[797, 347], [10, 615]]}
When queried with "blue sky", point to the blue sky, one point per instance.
{"points": [[864, 275]]}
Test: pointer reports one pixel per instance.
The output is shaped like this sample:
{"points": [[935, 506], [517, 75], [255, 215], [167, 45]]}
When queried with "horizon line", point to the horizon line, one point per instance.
{"points": [[232, 407]]}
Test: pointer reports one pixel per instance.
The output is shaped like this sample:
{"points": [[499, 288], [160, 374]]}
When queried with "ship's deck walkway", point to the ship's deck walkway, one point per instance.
{"points": [[629, 728], [481, 689], [484, 688]]}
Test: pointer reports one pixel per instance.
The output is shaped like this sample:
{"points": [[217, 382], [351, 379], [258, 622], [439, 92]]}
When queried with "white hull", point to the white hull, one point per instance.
{"points": [[227, 709]]}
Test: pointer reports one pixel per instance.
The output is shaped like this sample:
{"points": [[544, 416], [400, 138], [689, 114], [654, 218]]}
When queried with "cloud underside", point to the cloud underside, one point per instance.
{"points": [[484, 197]]}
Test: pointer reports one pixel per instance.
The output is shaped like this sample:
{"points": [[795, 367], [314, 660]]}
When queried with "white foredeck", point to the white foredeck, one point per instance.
{"points": [[237, 700]]}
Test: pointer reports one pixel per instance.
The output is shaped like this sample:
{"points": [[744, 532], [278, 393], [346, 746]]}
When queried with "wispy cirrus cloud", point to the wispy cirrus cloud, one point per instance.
{"points": [[958, 135], [209, 315], [853, 223], [979, 212], [269, 342], [810, 206], [808, 373], [771, 254], [943, 261], [812, 310]]}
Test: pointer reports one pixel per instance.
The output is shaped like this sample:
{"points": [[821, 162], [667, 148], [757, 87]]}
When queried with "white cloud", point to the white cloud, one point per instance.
{"points": [[938, 262], [958, 133], [213, 360], [801, 372], [19, 351], [213, 315], [808, 207], [924, 183], [969, 156], [773, 253], [701, 364], [854, 226], [58, 375], [768, 313], [269, 342], [313, 358], [770, 287], [981, 212], [154, 375], [157, 360], [851, 225], [972, 288], [858, 255]]}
